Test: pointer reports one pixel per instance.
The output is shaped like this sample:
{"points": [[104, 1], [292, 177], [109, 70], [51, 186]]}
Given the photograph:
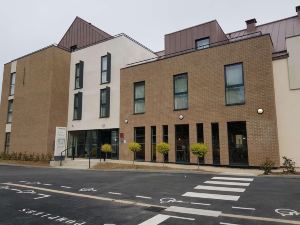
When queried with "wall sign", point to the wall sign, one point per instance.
{"points": [[60, 140]]}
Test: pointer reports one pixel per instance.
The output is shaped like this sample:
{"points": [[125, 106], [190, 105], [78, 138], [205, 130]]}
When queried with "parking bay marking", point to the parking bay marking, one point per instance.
{"points": [[128, 202]]}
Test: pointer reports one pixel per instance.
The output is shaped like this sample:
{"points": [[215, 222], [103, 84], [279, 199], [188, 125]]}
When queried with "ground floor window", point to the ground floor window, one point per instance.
{"points": [[153, 143], [182, 143], [7, 143], [139, 137], [215, 143], [200, 138], [166, 140], [237, 143]]}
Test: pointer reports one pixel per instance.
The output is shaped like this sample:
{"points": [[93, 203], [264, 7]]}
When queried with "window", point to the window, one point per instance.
{"points": [[200, 135], [180, 92], [139, 97], [234, 82], [10, 111], [7, 143], [73, 48], [165, 134], [104, 102], [202, 43], [79, 75], [153, 143], [77, 106], [105, 68], [12, 84], [139, 137]]}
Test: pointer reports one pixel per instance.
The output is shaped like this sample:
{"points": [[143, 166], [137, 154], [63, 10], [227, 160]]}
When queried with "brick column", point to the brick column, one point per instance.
{"points": [[224, 152], [159, 139], [147, 143], [208, 141], [172, 143]]}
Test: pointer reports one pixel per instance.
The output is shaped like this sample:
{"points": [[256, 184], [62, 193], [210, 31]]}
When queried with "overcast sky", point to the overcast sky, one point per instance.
{"points": [[29, 25]]}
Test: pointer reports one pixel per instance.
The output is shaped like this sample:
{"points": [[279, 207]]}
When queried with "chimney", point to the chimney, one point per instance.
{"points": [[298, 10], [251, 25]]}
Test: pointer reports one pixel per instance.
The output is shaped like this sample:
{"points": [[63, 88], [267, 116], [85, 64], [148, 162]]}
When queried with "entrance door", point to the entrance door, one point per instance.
{"points": [[237, 143], [182, 143], [215, 143], [115, 144]]}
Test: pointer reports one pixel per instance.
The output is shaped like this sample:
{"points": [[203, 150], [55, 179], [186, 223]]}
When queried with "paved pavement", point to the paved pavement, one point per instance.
{"points": [[31, 195]]}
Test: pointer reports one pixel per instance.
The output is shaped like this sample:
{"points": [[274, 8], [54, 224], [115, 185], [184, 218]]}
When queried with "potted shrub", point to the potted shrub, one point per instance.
{"points": [[163, 148], [106, 148], [200, 150], [134, 148]]}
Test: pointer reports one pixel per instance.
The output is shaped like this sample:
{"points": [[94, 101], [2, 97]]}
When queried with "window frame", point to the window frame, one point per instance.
{"points": [[12, 85], [10, 112], [79, 107], [139, 99], [79, 76], [181, 93], [234, 86], [108, 68], [202, 46], [7, 143], [107, 104]]}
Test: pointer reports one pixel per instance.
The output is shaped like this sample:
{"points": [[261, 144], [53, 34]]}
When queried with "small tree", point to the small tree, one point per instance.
{"points": [[288, 165], [134, 148], [106, 148], [163, 148], [267, 166], [200, 150]]}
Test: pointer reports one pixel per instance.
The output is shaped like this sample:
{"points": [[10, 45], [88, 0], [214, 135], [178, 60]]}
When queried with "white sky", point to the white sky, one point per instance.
{"points": [[29, 25]]}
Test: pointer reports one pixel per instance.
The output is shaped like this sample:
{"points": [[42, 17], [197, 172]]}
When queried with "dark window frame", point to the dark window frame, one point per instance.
{"points": [[198, 125], [108, 68], [139, 99], [181, 93], [79, 76], [107, 104], [10, 112], [202, 46], [7, 142], [11, 84], [77, 108], [234, 86]]}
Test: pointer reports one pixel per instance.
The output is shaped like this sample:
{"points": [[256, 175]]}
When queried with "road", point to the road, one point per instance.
{"points": [[32, 195]]}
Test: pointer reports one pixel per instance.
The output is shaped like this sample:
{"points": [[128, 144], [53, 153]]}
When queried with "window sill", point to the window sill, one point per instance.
{"points": [[75, 89], [103, 117], [76, 119], [139, 113], [243, 103], [180, 109], [105, 83]]}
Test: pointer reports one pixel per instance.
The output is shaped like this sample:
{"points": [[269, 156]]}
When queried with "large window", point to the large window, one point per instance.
{"points": [[139, 137], [180, 91], [12, 84], [105, 68], [234, 82], [77, 106], [79, 75], [10, 111], [200, 134], [166, 140], [104, 102], [202, 43], [7, 143], [139, 97], [153, 143]]}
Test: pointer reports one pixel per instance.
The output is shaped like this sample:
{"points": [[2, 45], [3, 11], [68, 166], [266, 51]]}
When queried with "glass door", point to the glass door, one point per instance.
{"points": [[182, 143]]}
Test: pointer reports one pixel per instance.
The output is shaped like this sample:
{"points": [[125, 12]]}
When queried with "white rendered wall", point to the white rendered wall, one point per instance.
{"points": [[293, 48], [123, 51]]}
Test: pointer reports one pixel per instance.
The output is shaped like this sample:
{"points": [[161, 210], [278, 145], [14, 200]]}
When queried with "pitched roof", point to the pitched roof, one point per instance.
{"points": [[82, 33], [279, 30]]}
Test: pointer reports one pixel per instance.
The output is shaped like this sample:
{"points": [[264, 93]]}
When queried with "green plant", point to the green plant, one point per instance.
{"points": [[163, 148], [94, 152], [288, 165], [200, 150], [106, 148], [267, 166], [134, 148], [36, 157]]}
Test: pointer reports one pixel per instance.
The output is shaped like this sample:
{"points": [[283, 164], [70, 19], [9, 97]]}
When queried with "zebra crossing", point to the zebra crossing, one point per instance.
{"points": [[221, 186]]}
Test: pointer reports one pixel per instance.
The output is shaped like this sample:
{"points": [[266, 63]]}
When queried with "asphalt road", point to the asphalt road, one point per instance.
{"points": [[31, 195]]}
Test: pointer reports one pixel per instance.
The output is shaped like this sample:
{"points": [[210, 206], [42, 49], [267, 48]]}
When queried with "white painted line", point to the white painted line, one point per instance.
{"points": [[228, 223], [227, 183], [243, 208], [161, 218], [239, 174], [211, 196], [114, 193], [201, 212], [198, 203], [140, 196], [232, 178], [65, 187], [22, 181], [47, 184], [218, 188]]}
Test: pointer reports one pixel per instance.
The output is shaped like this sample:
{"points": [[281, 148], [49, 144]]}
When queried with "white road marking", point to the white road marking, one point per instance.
{"points": [[228, 223], [140, 196], [234, 207], [232, 178], [22, 181], [211, 196], [227, 183], [201, 212], [161, 218], [239, 174], [218, 188], [198, 203], [47, 184], [114, 193], [65, 187]]}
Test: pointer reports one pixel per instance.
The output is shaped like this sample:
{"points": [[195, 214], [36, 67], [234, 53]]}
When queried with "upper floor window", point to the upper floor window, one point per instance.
{"points": [[12, 84], [77, 106], [202, 43], [180, 91], [79, 75], [105, 68], [104, 102], [139, 97], [234, 84], [10, 111]]}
